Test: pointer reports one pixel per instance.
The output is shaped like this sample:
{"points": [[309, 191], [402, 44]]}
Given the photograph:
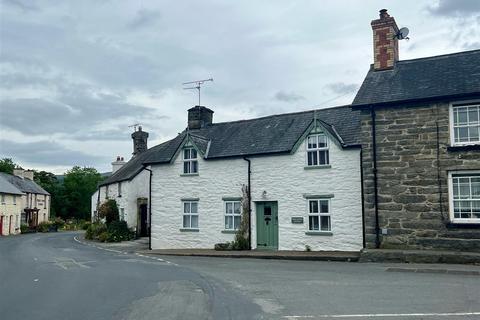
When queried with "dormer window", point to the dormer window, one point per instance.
{"points": [[317, 150], [190, 162], [465, 124]]}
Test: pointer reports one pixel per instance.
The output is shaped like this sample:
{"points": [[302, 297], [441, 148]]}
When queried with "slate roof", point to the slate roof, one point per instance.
{"points": [[451, 75], [7, 187], [24, 185], [266, 135]]}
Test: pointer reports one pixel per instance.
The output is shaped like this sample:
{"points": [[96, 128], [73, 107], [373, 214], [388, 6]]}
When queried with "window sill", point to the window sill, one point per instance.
{"points": [[319, 233], [229, 231], [188, 174], [326, 166], [463, 225], [465, 147], [189, 230]]}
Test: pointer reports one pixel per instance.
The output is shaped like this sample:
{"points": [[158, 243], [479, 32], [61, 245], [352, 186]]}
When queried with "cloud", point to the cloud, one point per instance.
{"points": [[342, 88], [455, 8], [23, 5], [46, 153], [471, 45], [144, 18], [288, 96]]}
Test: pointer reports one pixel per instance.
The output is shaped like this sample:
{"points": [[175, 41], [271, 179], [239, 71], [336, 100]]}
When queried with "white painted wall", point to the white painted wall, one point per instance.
{"points": [[9, 209], [283, 178], [131, 191]]}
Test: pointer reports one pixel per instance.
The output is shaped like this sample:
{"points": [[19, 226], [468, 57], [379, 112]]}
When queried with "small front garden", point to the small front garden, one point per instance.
{"points": [[112, 230]]}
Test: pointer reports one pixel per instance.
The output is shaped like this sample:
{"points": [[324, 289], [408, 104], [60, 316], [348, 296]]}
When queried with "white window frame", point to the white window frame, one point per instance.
{"points": [[318, 149], [232, 214], [190, 160], [451, 200], [319, 215], [462, 104], [189, 214]]}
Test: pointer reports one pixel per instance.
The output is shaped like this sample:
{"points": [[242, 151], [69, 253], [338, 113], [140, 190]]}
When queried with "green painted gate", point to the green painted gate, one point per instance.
{"points": [[267, 226]]}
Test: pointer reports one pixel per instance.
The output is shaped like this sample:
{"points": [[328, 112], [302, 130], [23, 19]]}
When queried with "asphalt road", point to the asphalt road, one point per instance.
{"points": [[51, 276]]}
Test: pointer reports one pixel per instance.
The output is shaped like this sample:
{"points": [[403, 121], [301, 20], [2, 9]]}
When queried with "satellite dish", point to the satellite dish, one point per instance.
{"points": [[402, 34]]}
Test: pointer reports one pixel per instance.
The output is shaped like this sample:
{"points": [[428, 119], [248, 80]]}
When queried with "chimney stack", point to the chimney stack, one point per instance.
{"points": [[18, 172], [139, 141], [199, 117], [117, 164], [28, 175], [385, 42]]}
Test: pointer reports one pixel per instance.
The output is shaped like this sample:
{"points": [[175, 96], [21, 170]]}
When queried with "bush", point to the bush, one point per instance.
{"points": [[109, 211], [44, 226], [94, 230], [85, 225], [103, 237], [119, 231], [222, 246], [59, 223], [26, 229]]}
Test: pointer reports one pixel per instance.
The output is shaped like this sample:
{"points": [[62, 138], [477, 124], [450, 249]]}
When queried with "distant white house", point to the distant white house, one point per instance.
{"points": [[303, 170]]}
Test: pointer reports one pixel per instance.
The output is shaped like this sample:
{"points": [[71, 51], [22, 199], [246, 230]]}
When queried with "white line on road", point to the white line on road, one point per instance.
{"points": [[384, 315]]}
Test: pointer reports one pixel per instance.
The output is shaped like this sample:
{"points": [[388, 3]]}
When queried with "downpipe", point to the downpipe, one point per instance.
{"points": [[249, 194]]}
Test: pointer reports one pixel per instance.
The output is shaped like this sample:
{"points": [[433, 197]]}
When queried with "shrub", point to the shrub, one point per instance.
{"points": [[103, 237], [85, 225], [59, 223], [222, 246], [109, 211], [94, 230], [25, 229], [44, 226], [119, 231]]}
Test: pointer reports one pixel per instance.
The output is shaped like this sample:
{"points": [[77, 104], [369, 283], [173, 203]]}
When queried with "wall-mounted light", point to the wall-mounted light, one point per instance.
{"points": [[264, 194]]}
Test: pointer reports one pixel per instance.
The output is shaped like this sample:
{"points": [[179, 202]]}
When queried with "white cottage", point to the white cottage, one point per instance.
{"points": [[303, 170]]}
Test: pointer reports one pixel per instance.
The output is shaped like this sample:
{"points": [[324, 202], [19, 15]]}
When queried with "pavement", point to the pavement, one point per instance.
{"points": [[58, 276]]}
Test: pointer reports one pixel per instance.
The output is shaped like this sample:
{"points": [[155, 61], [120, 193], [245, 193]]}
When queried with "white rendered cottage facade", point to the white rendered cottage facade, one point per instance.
{"points": [[305, 197]]}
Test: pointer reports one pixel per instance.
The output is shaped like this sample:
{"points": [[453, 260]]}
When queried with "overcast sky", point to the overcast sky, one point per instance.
{"points": [[75, 74]]}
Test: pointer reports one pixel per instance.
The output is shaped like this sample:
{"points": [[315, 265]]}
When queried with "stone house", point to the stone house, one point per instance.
{"points": [[34, 202], [10, 208], [420, 147]]}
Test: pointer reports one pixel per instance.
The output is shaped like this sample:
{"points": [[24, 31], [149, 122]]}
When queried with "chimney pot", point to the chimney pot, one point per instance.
{"points": [[117, 164], [384, 14]]}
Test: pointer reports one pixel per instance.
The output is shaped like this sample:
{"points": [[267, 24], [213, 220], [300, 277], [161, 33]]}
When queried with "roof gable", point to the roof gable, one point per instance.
{"points": [[24, 185], [452, 75]]}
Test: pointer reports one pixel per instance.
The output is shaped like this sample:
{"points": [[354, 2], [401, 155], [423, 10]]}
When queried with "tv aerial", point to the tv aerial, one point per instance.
{"points": [[197, 85], [402, 34], [134, 126]]}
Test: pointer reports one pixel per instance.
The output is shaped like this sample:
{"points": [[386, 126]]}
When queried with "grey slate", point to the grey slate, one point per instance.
{"points": [[24, 185], [7, 187], [266, 135], [451, 75]]}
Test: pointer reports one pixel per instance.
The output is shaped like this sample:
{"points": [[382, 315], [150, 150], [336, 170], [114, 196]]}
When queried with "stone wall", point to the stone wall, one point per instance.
{"points": [[412, 185]]}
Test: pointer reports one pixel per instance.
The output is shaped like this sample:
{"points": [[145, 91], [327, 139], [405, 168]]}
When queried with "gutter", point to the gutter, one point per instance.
{"points": [[149, 208], [375, 177], [249, 194]]}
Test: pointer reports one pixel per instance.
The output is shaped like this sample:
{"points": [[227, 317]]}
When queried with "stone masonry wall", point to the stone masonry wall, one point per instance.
{"points": [[412, 202]]}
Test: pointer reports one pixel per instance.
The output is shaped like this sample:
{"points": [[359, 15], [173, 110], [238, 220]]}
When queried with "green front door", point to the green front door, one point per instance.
{"points": [[267, 225]]}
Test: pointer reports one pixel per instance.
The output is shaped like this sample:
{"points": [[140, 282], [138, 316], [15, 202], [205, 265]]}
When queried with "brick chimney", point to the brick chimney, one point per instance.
{"points": [[199, 117], [28, 175], [385, 42], [139, 141], [117, 164]]}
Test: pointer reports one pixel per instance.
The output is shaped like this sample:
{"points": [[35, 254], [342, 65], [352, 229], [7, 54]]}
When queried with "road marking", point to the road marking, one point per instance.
{"points": [[124, 252], [35, 280], [384, 315]]}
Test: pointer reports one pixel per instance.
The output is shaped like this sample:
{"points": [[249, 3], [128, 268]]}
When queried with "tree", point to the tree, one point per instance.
{"points": [[109, 211], [50, 183], [78, 186], [7, 165]]}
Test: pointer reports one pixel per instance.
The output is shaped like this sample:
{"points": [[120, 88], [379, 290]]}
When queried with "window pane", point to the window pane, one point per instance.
{"points": [[313, 158], [186, 167], [464, 190], [236, 207], [473, 115], [194, 166], [473, 133], [194, 207], [313, 206], [236, 221], [229, 207], [323, 206], [475, 188], [312, 142], [465, 209], [186, 221], [193, 153], [476, 209], [228, 222], [194, 223], [462, 116], [186, 207], [186, 154], [325, 223], [313, 223], [323, 155], [322, 141], [463, 134]]}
